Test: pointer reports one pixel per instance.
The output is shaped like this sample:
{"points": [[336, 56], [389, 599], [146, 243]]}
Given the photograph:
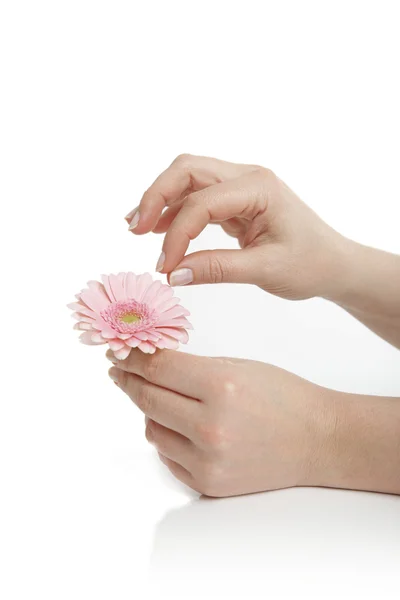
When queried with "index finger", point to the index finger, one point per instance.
{"points": [[184, 373], [186, 174]]}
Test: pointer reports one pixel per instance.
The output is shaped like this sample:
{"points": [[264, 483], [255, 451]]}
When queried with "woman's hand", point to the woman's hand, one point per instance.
{"points": [[286, 249], [223, 426], [227, 427]]}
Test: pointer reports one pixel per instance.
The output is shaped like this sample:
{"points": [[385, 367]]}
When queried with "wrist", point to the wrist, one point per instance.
{"points": [[357, 443]]}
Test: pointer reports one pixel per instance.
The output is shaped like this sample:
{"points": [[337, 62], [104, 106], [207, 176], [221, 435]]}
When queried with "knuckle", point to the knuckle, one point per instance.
{"points": [[216, 271], [145, 399], [151, 366], [212, 436], [183, 160], [209, 479], [266, 173], [193, 200]]}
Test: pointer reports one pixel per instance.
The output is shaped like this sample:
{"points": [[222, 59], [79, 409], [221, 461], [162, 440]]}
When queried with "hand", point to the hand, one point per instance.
{"points": [[286, 249], [223, 426]]}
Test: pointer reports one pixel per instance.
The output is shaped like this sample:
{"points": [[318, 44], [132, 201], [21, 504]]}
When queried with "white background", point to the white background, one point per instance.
{"points": [[96, 99]]}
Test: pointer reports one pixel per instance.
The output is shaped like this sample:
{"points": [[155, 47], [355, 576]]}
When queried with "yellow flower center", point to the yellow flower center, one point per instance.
{"points": [[130, 318]]}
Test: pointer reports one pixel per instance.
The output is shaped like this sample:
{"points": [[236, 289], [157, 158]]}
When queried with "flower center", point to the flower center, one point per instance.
{"points": [[128, 316]]}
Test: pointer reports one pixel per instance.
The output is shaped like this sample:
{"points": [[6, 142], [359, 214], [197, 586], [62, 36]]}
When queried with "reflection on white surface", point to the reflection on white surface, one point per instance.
{"points": [[246, 541]]}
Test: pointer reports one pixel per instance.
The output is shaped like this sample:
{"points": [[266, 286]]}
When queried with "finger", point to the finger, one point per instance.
{"points": [[171, 444], [163, 406], [186, 174], [178, 471], [183, 373], [244, 197], [217, 266], [167, 217]]}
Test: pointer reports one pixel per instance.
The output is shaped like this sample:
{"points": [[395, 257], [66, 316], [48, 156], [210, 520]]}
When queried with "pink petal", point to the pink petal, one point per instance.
{"points": [[94, 300], [86, 338], [147, 347], [108, 334], [181, 322], [165, 294], [130, 285], [143, 282], [97, 337], [151, 293], [177, 333], [164, 306], [106, 281], [81, 308], [123, 353], [83, 318], [133, 342], [177, 311], [116, 283], [98, 288], [82, 326], [116, 344], [170, 343]]}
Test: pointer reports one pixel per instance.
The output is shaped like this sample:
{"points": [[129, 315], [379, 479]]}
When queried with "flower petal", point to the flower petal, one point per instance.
{"points": [[147, 347], [170, 342], [94, 301], [81, 317], [151, 293], [86, 338], [106, 281], [133, 342], [116, 344], [130, 285], [177, 333], [82, 326], [82, 308], [143, 282], [97, 337], [180, 322], [123, 353], [117, 287], [165, 294], [98, 288]]}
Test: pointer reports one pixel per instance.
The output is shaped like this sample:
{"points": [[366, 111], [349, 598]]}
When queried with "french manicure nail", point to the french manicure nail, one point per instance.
{"points": [[160, 262], [130, 215], [135, 221], [181, 277]]}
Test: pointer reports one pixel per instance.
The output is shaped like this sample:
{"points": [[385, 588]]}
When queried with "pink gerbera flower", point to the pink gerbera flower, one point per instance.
{"points": [[130, 311]]}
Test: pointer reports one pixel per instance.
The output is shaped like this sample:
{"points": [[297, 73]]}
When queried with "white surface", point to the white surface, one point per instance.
{"points": [[97, 98]]}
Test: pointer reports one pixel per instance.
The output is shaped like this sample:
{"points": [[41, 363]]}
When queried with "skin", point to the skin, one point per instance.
{"points": [[227, 427]]}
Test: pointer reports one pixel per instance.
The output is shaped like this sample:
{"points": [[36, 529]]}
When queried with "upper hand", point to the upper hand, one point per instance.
{"points": [[225, 426], [286, 249]]}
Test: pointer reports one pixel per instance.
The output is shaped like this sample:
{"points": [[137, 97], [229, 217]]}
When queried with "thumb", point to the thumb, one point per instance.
{"points": [[217, 266]]}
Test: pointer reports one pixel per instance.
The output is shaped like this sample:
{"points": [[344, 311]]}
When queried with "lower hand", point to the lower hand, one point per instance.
{"points": [[225, 426]]}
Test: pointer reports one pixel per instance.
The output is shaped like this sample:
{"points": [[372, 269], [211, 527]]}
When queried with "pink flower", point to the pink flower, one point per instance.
{"points": [[130, 311]]}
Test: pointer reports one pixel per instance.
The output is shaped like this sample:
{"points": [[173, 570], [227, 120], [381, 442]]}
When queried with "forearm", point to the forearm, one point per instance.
{"points": [[368, 287], [359, 446]]}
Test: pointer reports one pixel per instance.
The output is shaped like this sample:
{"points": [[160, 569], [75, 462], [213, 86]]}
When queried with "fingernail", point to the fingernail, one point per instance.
{"points": [[160, 262], [130, 214], [135, 221], [110, 355], [112, 373], [181, 277]]}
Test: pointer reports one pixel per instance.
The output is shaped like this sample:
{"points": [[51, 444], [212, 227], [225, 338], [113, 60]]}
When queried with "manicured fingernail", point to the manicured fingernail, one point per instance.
{"points": [[113, 375], [181, 277], [130, 215], [160, 262], [135, 221], [110, 355]]}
